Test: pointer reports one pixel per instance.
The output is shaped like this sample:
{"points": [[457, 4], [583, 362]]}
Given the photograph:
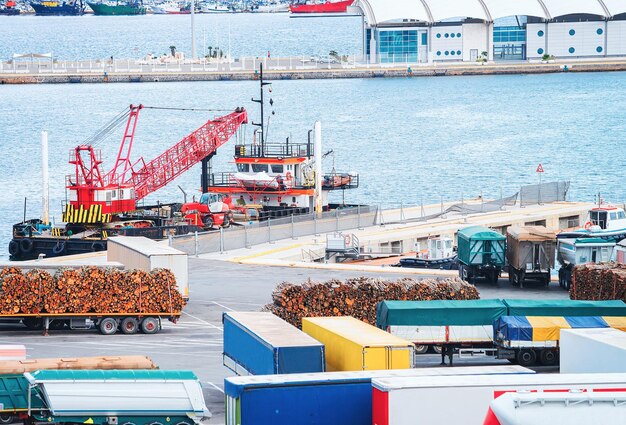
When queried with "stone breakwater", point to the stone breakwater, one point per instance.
{"points": [[8, 77]]}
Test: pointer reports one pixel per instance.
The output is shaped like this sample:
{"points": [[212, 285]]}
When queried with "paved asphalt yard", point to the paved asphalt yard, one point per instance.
{"points": [[195, 343]]}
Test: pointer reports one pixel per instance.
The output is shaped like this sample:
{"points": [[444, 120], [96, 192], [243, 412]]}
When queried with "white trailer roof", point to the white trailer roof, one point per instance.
{"points": [[144, 246], [608, 336], [587, 379], [273, 329], [119, 398]]}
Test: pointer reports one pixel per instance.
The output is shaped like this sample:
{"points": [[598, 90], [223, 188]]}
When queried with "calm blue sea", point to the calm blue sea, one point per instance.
{"points": [[410, 139]]}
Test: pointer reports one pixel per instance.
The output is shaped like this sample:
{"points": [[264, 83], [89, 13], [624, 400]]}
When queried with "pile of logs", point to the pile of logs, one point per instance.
{"points": [[358, 297], [89, 290], [599, 282]]}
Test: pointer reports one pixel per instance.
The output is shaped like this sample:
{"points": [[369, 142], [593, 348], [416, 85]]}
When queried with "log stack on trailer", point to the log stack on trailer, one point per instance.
{"points": [[332, 398], [606, 281], [358, 297], [260, 343], [354, 345], [397, 401], [127, 300]]}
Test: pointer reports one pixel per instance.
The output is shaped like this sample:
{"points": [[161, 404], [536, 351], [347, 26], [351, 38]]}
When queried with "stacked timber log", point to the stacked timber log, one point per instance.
{"points": [[12, 367], [89, 290], [599, 282], [359, 297]]}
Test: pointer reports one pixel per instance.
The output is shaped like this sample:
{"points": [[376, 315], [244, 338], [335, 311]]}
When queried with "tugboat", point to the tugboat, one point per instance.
{"points": [[58, 8], [118, 8], [10, 8], [102, 203], [271, 179], [439, 255]]}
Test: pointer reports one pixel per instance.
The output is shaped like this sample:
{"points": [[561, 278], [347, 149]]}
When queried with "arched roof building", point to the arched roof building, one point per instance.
{"points": [[464, 30]]}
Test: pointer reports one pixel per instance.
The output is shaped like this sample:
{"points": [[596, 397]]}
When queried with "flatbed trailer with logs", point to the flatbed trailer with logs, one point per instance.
{"points": [[106, 323]]}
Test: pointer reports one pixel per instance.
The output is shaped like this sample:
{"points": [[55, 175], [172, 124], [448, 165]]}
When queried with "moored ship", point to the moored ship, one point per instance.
{"points": [[118, 8], [9, 8], [59, 8], [326, 7]]}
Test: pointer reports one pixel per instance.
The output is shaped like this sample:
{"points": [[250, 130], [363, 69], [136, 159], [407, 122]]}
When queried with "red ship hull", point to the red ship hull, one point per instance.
{"points": [[328, 7]]}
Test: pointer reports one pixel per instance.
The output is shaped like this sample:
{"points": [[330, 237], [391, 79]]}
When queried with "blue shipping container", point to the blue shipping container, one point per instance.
{"points": [[332, 398], [257, 343]]}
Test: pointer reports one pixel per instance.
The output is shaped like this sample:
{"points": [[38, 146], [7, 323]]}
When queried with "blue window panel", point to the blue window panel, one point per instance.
{"points": [[424, 39]]}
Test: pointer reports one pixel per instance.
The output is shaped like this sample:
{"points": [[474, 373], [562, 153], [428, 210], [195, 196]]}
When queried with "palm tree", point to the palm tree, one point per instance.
{"points": [[173, 50]]}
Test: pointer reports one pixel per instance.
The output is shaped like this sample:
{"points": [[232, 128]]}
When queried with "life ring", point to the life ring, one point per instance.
{"points": [[97, 246], [288, 176], [346, 239], [14, 248], [588, 225], [59, 248], [26, 245]]}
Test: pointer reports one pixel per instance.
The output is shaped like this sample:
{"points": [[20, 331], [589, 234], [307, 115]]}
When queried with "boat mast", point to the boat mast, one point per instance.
{"points": [[261, 101]]}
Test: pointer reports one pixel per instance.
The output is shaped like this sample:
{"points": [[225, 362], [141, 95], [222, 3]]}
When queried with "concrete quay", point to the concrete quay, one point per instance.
{"points": [[402, 231], [124, 71]]}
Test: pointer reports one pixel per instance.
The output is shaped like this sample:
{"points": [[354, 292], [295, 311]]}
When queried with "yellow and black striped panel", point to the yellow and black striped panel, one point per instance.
{"points": [[56, 232], [91, 215]]}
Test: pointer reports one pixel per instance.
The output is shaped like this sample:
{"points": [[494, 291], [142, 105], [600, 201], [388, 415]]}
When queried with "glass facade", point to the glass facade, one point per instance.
{"points": [[509, 35], [509, 43], [398, 46]]}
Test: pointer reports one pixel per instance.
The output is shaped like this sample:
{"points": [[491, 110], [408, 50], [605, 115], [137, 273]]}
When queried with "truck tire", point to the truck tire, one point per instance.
{"points": [[526, 357], [33, 323], [6, 419], [129, 326], [548, 357], [208, 222], [437, 349], [108, 326], [150, 325], [26, 245], [14, 248], [421, 349]]}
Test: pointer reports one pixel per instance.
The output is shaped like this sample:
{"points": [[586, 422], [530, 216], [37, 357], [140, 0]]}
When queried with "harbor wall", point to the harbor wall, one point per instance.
{"points": [[347, 71]]}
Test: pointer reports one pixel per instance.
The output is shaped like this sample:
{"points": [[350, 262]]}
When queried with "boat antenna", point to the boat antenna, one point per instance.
{"points": [[261, 101]]}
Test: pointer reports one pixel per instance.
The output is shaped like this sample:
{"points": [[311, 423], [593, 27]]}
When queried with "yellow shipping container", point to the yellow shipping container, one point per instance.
{"points": [[353, 345]]}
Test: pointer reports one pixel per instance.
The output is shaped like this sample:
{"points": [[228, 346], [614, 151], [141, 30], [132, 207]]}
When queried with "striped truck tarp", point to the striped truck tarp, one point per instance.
{"points": [[540, 328]]}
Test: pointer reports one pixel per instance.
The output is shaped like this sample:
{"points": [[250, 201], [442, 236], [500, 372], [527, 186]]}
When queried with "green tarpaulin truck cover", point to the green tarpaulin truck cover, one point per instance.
{"points": [[439, 313]]}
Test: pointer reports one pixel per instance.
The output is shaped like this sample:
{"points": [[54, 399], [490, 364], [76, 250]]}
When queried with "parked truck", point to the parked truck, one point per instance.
{"points": [[530, 253], [481, 253], [103, 397], [469, 327], [260, 343]]}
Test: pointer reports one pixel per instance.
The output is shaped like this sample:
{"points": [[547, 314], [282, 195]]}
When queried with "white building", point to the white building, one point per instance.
{"points": [[420, 31]]}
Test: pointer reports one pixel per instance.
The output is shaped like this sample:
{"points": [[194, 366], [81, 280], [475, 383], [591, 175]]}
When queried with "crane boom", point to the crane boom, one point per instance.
{"points": [[94, 195], [185, 154]]}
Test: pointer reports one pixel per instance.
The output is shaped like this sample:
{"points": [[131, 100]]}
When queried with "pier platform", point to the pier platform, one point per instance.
{"points": [[402, 231], [292, 68]]}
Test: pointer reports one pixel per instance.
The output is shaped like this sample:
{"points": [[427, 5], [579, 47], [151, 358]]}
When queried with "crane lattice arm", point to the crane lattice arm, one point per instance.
{"points": [[185, 154]]}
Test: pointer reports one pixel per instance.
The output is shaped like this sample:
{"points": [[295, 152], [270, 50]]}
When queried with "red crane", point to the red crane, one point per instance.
{"points": [[95, 195]]}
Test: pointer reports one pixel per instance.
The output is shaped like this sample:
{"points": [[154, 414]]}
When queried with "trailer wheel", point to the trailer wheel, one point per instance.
{"points": [[33, 323], [548, 357], [421, 349], [437, 349], [58, 324], [129, 326], [6, 419], [150, 325], [526, 357], [108, 326]]}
